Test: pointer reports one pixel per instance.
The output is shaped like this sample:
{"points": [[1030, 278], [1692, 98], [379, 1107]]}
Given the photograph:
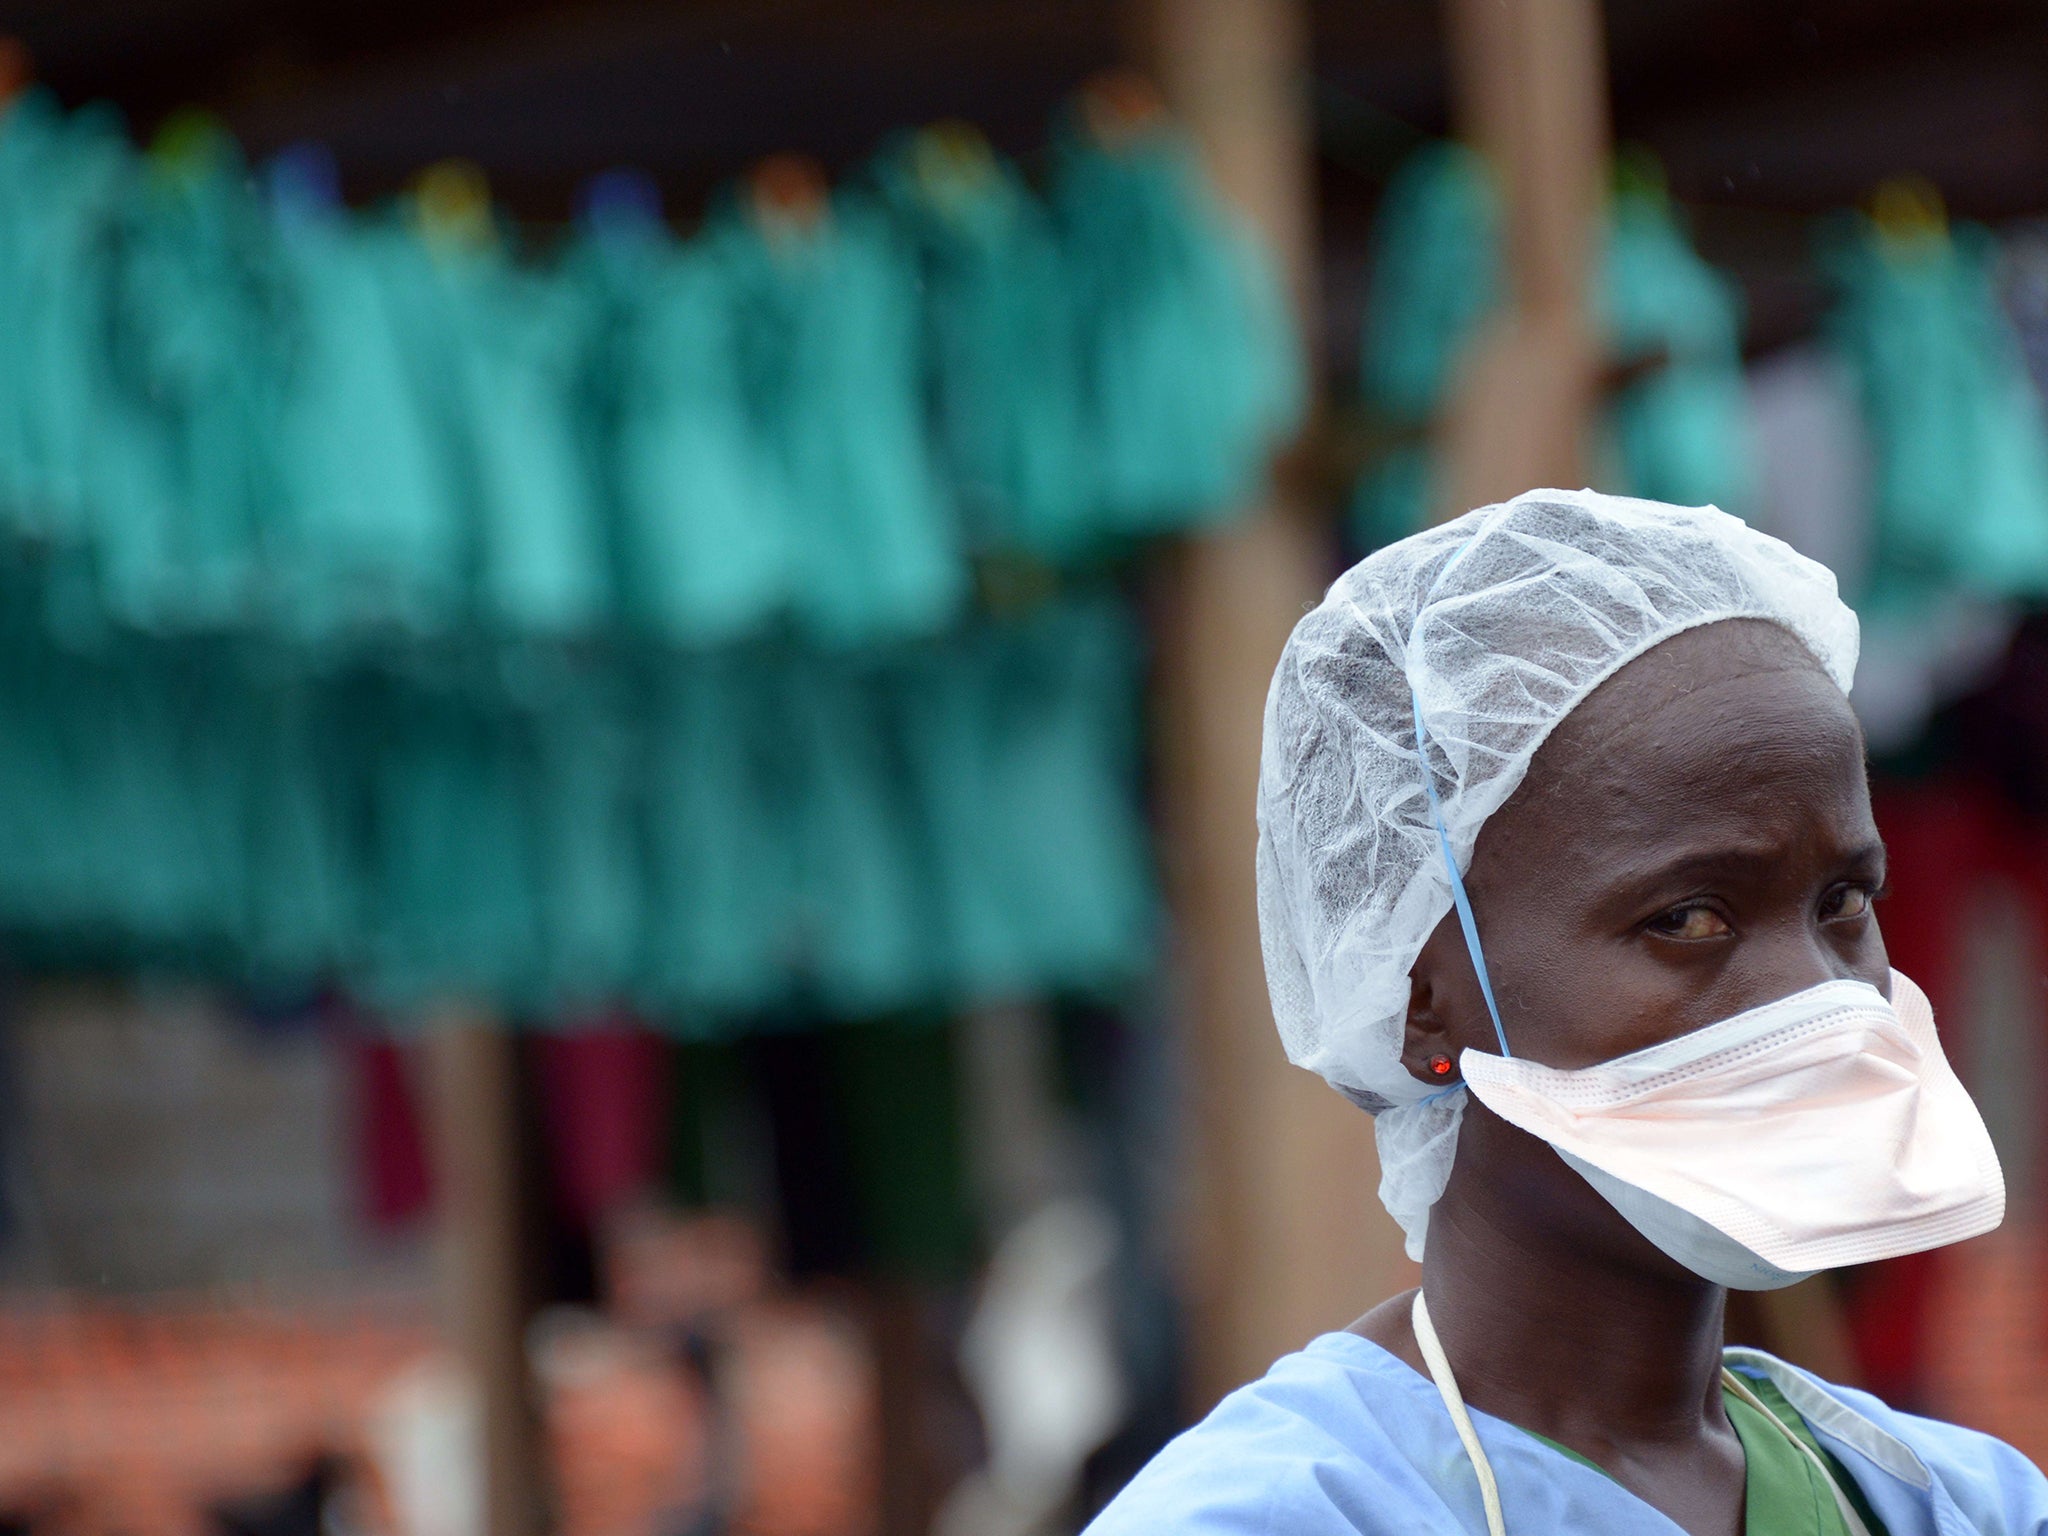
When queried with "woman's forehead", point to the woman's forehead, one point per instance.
{"points": [[1714, 677], [1731, 722]]}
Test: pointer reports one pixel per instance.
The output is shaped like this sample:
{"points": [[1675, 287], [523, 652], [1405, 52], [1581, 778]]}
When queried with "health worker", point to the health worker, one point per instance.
{"points": [[1566, 872]]}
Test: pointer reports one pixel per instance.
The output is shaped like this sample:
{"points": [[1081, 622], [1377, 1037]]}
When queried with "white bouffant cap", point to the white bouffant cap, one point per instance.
{"points": [[1493, 627]]}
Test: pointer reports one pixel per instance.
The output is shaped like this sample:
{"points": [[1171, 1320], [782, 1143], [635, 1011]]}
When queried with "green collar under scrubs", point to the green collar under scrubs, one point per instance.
{"points": [[1786, 1495]]}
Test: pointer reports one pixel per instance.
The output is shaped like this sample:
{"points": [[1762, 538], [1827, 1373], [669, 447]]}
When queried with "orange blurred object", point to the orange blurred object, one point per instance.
{"points": [[1120, 105], [135, 1420], [790, 192], [17, 68]]}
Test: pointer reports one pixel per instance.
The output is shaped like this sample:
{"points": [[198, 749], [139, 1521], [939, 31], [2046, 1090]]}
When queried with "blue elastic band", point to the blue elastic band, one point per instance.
{"points": [[1463, 902]]}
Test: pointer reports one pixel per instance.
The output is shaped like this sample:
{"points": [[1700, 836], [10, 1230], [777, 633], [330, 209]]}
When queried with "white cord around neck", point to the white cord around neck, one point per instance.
{"points": [[1447, 1388]]}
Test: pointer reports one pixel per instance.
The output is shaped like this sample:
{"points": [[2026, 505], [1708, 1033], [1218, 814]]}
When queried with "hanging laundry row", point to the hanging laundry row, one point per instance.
{"points": [[1675, 432], [1950, 496], [230, 405], [754, 828], [1907, 447]]}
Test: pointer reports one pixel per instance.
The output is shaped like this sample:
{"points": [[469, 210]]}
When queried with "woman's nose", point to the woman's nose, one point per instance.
{"points": [[1795, 955]]}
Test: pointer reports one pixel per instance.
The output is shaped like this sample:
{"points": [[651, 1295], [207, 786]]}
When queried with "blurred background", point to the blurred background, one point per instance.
{"points": [[631, 648]]}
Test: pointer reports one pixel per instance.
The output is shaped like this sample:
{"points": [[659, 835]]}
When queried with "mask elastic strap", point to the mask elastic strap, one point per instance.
{"points": [[1436, 814], [1463, 902]]}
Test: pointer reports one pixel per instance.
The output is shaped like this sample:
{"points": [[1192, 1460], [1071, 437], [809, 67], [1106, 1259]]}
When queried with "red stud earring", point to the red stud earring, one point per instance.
{"points": [[1439, 1065]]}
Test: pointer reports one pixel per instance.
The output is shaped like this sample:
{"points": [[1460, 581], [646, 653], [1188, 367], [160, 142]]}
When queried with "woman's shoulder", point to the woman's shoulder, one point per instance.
{"points": [[1317, 1444]]}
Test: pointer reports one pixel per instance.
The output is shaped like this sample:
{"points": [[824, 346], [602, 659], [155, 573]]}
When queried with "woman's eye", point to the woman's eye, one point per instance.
{"points": [[1697, 922], [1850, 901]]}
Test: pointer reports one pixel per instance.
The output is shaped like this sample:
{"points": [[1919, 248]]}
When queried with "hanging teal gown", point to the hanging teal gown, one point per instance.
{"points": [[64, 181], [705, 540], [449, 864], [146, 739], [183, 477], [299, 840], [1024, 771], [515, 344], [828, 329], [1681, 432], [581, 820], [370, 535], [1435, 278], [1192, 373], [859, 927], [721, 785], [1001, 360], [1960, 478], [780, 868], [43, 886]]}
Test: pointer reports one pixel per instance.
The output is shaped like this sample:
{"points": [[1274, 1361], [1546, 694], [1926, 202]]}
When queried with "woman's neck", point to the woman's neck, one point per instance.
{"points": [[1555, 1315]]}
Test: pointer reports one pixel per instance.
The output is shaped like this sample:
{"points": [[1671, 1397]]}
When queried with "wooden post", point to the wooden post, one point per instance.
{"points": [[475, 1139], [1288, 1239], [1531, 90]]}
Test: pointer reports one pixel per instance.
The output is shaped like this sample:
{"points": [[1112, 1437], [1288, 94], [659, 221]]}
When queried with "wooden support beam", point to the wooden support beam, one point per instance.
{"points": [[1288, 1239], [1531, 94], [474, 1114]]}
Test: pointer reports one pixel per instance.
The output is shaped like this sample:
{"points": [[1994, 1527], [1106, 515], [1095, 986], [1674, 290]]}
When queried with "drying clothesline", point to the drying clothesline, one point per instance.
{"points": [[388, 606], [1953, 430], [238, 407]]}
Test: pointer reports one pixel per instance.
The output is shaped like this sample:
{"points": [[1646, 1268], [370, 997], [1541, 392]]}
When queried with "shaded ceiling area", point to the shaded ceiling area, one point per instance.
{"points": [[543, 95], [1762, 113]]}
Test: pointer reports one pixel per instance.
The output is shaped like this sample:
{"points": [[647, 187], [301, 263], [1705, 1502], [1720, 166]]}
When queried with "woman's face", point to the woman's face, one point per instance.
{"points": [[1692, 841]]}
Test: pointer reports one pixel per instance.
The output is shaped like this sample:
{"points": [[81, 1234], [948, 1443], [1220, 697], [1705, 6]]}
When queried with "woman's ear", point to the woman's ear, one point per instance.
{"points": [[1427, 1049]]}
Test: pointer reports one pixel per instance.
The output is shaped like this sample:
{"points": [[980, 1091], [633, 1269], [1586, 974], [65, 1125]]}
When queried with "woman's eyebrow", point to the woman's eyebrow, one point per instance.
{"points": [[1725, 859]]}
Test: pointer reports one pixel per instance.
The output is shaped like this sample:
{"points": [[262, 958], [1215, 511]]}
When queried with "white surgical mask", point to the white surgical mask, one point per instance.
{"points": [[1825, 1128]]}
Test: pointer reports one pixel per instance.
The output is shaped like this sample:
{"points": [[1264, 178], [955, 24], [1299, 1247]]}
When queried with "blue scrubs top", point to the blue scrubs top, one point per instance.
{"points": [[1344, 1438]]}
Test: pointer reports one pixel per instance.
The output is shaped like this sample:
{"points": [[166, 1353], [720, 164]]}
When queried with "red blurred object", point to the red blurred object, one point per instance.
{"points": [[391, 1146], [1944, 837], [604, 1101]]}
